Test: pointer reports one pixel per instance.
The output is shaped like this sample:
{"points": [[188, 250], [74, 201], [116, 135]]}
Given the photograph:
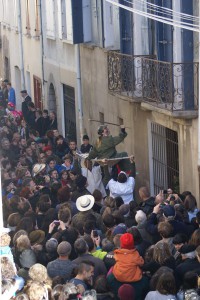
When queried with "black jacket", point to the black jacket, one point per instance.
{"points": [[184, 267], [147, 205], [25, 109]]}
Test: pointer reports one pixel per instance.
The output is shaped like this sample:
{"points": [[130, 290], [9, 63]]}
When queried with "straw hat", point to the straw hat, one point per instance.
{"points": [[38, 168], [85, 202]]}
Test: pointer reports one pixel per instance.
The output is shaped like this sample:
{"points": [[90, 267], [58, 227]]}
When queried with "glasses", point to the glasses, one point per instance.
{"points": [[42, 156]]}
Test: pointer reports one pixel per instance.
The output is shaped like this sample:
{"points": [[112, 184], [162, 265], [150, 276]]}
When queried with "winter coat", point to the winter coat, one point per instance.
{"points": [[107, 147], [127, 267]]}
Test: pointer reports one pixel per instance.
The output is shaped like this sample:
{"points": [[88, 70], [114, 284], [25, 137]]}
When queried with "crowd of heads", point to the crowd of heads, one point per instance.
{"points": [[59, 241]]}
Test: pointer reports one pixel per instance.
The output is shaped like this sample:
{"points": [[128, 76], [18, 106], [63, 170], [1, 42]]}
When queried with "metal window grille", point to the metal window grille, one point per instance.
{"points": [[165, 158]]}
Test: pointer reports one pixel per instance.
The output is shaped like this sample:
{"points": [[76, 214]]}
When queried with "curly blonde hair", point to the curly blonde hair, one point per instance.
{"points": [[8, 270], [4, 239], [36, 290], [38, 273]]}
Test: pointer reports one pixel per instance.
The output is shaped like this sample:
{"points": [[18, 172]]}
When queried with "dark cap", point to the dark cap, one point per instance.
{"points": [[24, 92], [85, 137], [169, 211], [120, 229]]}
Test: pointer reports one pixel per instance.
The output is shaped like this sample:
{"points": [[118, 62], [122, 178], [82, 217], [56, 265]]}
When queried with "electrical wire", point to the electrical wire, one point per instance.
{"points": [[169, 21], [163, 10]]}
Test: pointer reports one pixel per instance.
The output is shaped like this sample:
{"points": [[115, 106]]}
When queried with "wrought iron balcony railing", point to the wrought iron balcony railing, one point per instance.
{"points": [[172, 86], [125, 74]]}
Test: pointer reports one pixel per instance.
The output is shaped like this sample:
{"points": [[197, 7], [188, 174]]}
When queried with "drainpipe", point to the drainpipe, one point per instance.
{"points": [[21, 49], [79, 90], [42, 50]]}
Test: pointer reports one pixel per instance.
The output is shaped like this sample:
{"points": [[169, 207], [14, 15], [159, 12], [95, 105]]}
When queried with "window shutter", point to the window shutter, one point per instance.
{"points": [[96, 19], [69, 21], [50, 19], [87, 26], [59, 18], [111, 25], [37, 19], [28, 27], [16, 14]]}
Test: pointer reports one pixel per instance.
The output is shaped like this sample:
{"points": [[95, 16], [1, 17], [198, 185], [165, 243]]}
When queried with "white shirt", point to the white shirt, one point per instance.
{"points": [[124, 190], [94, 179]]}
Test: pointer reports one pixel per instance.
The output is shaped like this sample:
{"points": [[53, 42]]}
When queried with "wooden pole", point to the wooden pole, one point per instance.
{"points": [[105, 123]]}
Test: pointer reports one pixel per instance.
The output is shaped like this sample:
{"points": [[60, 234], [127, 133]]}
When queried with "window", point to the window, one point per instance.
{"points": [[37, 19], [101, 117], [37, 92], [50, 19], [28, 26], [62, 23], [15, 12], [121, 121]]}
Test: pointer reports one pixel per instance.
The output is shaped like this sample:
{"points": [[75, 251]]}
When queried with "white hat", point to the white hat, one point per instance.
{"points": [[85, 202], [38, 168]]}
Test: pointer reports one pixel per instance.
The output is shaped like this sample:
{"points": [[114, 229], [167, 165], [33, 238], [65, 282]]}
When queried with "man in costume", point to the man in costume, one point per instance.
{"points": [[105, 149]]}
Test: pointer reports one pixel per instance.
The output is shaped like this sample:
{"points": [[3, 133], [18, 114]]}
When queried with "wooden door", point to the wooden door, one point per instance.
{"points": [[37, 92]]}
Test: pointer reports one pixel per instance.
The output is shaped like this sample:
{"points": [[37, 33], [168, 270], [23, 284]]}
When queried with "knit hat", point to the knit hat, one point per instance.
{"points": [[51, 245], [124, 209], [127, 241], [140, 217], [119, 229], [126, 292], [64, 249], [36, 237]]}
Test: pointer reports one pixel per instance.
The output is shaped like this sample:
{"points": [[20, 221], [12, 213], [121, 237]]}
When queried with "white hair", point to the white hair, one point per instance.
{"points": [[140, 217]]}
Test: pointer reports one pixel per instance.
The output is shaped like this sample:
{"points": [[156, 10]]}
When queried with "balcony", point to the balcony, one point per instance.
{"points": [[171, 87], [125, 74]]}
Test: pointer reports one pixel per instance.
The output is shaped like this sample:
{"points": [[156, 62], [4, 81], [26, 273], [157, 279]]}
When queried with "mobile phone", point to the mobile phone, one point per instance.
{"points": [[56, 222], [95, 233]]}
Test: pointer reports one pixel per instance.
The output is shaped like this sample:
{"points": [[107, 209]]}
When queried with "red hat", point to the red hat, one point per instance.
{"points": [[45, 149], [126, 241], [126, 292]]}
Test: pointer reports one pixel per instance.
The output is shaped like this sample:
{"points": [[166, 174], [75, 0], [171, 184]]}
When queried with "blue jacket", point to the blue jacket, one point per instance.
{"points": [[11, 96]]}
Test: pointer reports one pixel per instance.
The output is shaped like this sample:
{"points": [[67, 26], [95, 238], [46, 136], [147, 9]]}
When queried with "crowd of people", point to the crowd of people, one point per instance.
{"points": [[72, 225]]}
